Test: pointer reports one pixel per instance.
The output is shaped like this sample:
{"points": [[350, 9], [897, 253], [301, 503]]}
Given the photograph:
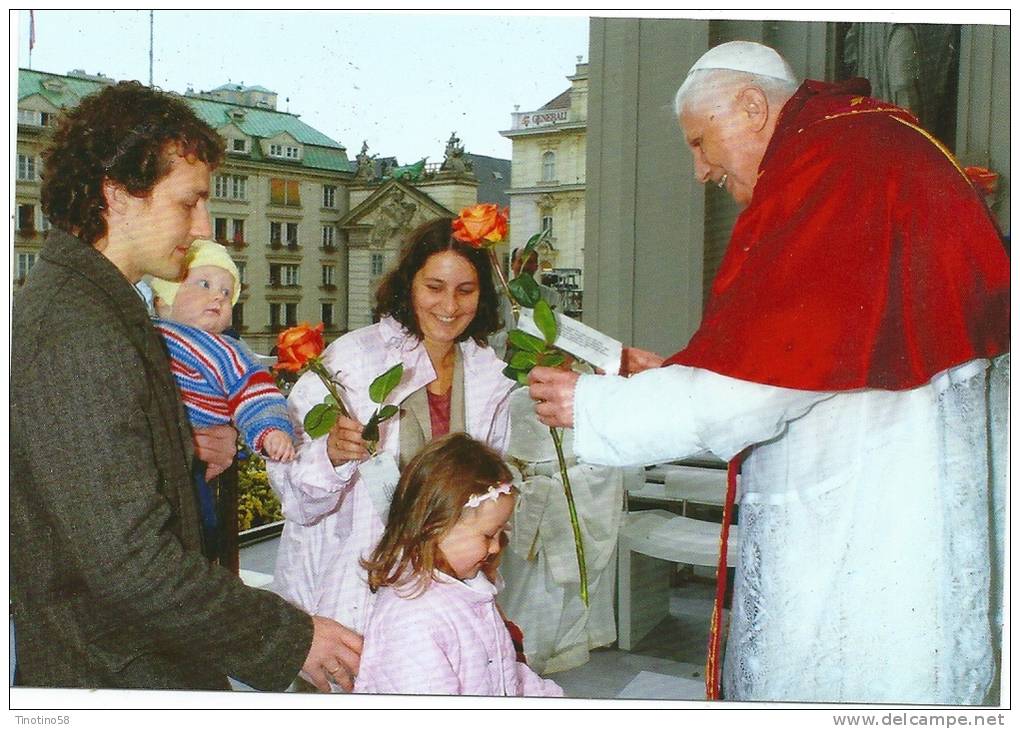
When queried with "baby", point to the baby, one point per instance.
{"points": [[220, 379]]}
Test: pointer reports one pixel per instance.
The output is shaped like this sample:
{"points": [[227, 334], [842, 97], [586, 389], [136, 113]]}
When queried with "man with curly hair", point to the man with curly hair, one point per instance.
{"points": [[109, 582]]}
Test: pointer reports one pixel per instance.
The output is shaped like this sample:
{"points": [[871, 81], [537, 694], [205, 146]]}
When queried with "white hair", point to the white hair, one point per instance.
{"points": [[701, 82]]}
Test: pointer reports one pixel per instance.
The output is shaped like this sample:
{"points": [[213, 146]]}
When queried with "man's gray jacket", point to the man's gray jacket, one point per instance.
{"points": [[108, 581]]}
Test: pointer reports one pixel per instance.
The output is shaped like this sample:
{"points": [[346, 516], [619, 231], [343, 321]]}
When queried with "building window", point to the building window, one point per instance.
{"points": [[377, 264], [230, 187], [328, 275], [44, 223], [241, 278], [549, 167], [239, 145], [220, 229], [326, 315], [292, 234], [29, 117], [237, 319], [328, 236], [275, 233], [26, 167], [274, 315], [290, 314], [283, 274], [284, 192], [238, 232], [329, 196], [285, 151], [26, 219], [25, 263], [547, 225]]}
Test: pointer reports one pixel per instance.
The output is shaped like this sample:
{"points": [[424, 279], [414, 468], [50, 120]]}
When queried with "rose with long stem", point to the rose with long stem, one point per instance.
{"points": [[482, 226]]}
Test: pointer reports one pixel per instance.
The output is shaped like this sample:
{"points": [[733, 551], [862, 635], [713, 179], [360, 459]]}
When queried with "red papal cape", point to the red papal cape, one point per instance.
{"points": [[865, 259]]}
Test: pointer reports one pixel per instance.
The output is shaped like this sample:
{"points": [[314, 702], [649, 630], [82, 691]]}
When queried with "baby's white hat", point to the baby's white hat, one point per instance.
{"points": [[201, 253]]}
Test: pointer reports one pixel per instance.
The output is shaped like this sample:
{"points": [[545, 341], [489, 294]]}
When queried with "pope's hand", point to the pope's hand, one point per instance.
{"points": [[344, 442], [638, 360], [552, 390]]}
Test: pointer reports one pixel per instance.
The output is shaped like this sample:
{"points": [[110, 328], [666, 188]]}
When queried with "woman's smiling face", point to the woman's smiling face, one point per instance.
{"points": [[444, 295]]}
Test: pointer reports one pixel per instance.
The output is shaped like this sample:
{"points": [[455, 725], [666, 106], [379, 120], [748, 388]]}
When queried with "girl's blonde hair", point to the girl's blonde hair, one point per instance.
{"points": [[430, 498]]}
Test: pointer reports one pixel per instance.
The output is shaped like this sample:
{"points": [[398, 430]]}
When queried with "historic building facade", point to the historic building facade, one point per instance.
{"points": [[549, 150], [275, 202], [310, 232]]}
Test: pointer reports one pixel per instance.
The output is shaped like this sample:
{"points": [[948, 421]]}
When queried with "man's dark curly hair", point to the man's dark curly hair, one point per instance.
{"points": [[126, 134], [393, 297]]}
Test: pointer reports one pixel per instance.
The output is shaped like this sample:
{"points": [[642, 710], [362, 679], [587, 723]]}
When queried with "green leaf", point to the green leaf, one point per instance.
{"points": [[387, 412], [319, 420], [329, 400], [525, 290], [383, 385], [523, 360], [522, 377], [545, 320], [524, 341], [534, 240], [551, 359], [510, 373]]}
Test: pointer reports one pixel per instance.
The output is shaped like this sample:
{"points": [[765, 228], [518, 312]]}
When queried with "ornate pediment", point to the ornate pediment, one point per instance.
{"points": [[385, 218]]}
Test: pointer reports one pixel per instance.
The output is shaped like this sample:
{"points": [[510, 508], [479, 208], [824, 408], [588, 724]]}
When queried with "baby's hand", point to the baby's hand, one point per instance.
{"points": [[278, 446]]}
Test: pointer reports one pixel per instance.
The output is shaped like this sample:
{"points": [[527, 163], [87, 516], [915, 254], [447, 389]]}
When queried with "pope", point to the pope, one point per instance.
{"points": [[854, 357]]}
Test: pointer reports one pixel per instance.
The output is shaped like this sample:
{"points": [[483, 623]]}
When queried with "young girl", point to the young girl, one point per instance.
{"points": [[435, 628]]}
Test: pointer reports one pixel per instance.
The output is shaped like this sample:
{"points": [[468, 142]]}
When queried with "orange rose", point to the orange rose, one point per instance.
{"points": [[985, 180], [481, 225], [297, 345]]}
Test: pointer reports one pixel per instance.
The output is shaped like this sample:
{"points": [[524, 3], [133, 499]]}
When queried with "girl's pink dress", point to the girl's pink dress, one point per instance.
{"points": [[448, 640]]}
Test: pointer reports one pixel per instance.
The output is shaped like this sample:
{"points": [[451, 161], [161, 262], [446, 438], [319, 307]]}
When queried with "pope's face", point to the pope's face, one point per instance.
{"points": [[723, 141]]}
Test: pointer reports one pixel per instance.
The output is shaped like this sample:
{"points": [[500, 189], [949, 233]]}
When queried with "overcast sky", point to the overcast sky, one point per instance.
{"points": [[403, 82]]}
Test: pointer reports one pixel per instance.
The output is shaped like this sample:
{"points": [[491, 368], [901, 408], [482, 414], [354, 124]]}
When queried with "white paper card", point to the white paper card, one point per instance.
{"points": [[380, 475], [580, 340]]}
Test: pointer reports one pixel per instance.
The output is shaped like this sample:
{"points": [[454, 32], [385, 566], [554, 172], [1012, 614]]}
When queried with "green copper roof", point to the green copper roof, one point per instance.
{"points": [[320, 152]]}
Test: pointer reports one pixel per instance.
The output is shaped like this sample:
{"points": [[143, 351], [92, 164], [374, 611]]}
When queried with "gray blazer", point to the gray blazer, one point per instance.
{"points": [[108, 581]]}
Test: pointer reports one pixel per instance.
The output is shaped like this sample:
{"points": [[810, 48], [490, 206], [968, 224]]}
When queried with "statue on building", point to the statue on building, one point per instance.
{"points": [[394, 217], [913, 65], [454, 160], [366, 164]]}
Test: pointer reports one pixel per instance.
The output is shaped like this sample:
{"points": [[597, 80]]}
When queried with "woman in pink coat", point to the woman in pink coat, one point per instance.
{"points": [[435, 628], [437, 308]]}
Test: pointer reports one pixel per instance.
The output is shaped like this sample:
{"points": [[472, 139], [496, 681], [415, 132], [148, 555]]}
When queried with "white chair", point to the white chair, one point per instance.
{"points": [[650, 543]]}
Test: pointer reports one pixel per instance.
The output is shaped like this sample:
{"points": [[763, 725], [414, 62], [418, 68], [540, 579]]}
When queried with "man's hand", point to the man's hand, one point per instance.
{"points": [[344, 442], [638, 360], [216, 446], [553, 391], [335, 655]]}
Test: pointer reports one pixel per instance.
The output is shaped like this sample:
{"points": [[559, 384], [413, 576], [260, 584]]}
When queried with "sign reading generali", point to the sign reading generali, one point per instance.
{"points": [[532, 119]]}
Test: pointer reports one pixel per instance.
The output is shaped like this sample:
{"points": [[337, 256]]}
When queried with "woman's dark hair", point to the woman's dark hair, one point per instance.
{"points": [[431, 496], [393, 297], [126, 134]]}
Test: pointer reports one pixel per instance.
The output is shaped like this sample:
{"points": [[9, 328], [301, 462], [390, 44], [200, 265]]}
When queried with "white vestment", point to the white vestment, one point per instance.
{"points": [[871, 524], [541, 593]]}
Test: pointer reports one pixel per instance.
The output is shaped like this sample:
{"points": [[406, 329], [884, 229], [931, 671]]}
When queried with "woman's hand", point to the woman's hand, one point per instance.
{"points": [[344, 442]]}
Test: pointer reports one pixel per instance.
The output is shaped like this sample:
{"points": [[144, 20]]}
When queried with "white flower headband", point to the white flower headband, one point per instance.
{"points": [[492, 494]]}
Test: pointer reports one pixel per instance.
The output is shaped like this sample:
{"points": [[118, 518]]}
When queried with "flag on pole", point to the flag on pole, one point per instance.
{"points": [[31, 29]]}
